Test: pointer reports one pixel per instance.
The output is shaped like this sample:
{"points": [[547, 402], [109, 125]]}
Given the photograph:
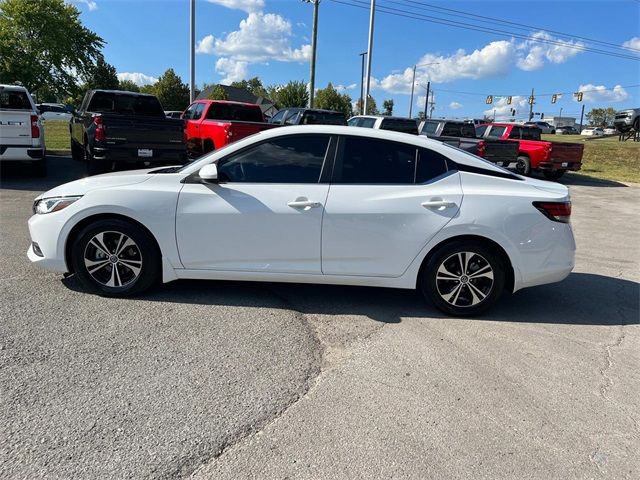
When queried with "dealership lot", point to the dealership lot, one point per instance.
{"points": [[236, 380]]}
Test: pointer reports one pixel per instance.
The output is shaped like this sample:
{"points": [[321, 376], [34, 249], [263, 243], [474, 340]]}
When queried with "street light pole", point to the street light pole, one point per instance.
{"points": [[192, 50], [314, 36], [369, 55], [363, 54]]}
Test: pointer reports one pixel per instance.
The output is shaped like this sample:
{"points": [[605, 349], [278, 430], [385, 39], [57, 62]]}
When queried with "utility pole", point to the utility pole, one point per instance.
{"points": [[314, 36], [413, 83], [560, 112], [433, 105], [531, 100], [426, 101], [363, 54], [581, 117], [369, 55], [192, 50]]}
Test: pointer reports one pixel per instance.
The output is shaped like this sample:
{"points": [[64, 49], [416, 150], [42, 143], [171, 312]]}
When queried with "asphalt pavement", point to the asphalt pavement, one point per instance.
{"points": [[244, 380]]}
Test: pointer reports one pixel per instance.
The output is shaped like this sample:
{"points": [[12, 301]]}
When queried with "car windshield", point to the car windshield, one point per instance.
{"points": [[14, 100]]}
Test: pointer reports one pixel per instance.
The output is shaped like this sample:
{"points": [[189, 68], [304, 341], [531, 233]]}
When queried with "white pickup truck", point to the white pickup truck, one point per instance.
{"points": [[21, 132]]}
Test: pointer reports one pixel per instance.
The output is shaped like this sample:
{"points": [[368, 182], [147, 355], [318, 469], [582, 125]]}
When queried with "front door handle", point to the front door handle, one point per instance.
{"points": [[304, 204], [438, 204]]}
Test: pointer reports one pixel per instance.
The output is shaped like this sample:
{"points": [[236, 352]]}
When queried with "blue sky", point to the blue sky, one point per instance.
{"points": [[270, 38]]}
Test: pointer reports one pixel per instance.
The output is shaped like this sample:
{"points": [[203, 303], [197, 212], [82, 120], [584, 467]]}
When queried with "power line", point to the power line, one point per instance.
{"points": [[522, 26], [466, 26], [538, 94]]}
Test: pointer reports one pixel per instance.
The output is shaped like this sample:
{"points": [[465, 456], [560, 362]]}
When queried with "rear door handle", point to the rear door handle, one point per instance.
{"points": [[438, 204], [304, 204]]}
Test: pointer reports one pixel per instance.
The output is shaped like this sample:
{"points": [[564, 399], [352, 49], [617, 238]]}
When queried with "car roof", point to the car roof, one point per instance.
{"points": [[388, 117], [15, 88], [101, 90], [229, 102]]}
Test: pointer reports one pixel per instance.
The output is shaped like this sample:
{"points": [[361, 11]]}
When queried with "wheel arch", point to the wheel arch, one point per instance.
{"points": [[509, 282], [78, 227]]}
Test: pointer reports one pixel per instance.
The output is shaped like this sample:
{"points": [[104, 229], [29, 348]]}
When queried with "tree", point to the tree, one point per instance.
{"points": [[372, 109], [102, 76], [253, 85], [293, 94], [43, 43], [601, 117], [218, 93], [172, 93], [150, 89], [388, 106], [330, 99], [128, 86]]}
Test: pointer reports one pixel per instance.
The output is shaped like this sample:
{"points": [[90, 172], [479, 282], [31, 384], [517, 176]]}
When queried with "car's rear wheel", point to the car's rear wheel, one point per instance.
{"points": [[523, 165], [115, 258], [463, 278], [553, 174], [76, 151]]}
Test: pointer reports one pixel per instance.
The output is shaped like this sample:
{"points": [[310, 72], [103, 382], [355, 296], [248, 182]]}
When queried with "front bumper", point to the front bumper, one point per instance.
{"points": [[44, 230]]}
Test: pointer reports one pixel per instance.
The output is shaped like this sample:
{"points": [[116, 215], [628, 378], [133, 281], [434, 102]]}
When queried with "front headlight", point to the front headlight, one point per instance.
{"points": [[53, 204]]}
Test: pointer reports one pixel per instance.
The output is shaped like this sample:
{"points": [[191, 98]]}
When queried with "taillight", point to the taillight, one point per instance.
{"points": [[35, 129], [556, 211], [99, 134], [481, 148]]}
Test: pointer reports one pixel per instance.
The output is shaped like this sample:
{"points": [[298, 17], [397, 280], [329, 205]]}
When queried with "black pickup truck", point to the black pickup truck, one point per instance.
{"points": [[463, 135], [117, 127]]}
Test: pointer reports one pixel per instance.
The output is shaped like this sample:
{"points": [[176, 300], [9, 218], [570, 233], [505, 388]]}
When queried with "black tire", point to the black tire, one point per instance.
{"points": [[94, 167], [523, 165], [77, 152], [39, 168], [553, 174], [553, 132], [126, 280], [636, 124], [459, 296]]}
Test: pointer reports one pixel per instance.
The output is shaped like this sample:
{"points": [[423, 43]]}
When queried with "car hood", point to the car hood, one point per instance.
{"points": [[107, 180]]}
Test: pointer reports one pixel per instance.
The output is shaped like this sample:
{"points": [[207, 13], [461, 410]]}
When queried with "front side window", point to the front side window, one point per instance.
{"points": [[292, 159], [292, 118], [371, 161], [188, 114], [496, 132], [452, 129], [197, 113]]}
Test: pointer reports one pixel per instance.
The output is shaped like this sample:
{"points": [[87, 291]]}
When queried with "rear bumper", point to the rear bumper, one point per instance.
{"points": [[554, 165], [21, 154], [172, 156]]}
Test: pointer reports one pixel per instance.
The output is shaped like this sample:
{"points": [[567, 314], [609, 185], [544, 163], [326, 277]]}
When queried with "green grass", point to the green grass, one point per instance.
{"points": [[56, 135], [606, 157]]}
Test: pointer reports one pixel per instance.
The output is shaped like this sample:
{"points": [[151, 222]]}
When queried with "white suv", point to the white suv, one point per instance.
{"points": [[21, 132]]}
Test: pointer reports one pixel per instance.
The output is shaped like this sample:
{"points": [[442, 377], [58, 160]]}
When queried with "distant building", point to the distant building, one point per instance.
{"points": [[235, 94], [563, 122]]}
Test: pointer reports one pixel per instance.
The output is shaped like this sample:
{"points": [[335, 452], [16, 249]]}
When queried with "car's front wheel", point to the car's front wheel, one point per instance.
{"points": [[463, 278], [115, 258]]}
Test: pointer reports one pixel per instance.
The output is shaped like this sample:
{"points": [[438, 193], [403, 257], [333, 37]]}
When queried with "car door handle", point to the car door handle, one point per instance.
{"points": [[438, 204], [304, 204]]}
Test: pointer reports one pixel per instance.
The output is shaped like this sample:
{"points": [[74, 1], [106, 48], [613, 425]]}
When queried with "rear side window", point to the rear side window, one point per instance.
{"points": [[452, 129], [107, 102], [237, 113], [429, 127], [516, 132], [14, 100], [292, 159], [468, 130], [371, 161], [531, 134], [323, 118], [400, 125], [431, 164], [197, 112], [362, 122], [480, 131]]}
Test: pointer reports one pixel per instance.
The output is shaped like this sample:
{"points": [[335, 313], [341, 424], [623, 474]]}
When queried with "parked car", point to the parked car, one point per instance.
{"points": [[626, 120], [462, 134], [21, 132], [212, 124], [543, 126], [383, 209], [308, 116], [610, 130], [567, 131], [553, 159], [592, 132], [114, 127], [381, 122], [54, 111], [173, 113]]}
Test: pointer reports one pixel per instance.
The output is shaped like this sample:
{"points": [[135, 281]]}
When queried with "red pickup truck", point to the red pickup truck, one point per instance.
{"points": [[211, 124], [553, 159]]}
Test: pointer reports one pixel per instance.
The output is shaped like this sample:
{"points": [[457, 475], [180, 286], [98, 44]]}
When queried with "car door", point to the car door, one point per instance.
{"points": [[264, 215], [386, 201]]}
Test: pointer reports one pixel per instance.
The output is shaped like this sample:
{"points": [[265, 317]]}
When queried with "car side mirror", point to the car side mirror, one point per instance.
{"points": [[209, 173]]}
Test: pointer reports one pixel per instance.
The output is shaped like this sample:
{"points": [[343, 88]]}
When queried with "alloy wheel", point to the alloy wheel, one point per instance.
{"points": [[464, 279], [113, 259]]}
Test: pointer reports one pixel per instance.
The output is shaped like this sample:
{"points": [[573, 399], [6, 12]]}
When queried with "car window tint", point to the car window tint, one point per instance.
{"points": [[480, 130], [496, 132], [197, 113], [234, 112], [429, 127], [323, 118], [188, 114], [400, 125], [516, 132], [451, 129], [292, 118], [277, 118], [531, 134], [367, 122], [14, 100], [292, 159], [108, 102], [468, 130], [431, 164], [366, 160]]}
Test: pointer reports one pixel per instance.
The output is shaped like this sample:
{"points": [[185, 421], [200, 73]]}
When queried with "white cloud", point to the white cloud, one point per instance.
{"points": [[233, 70], [137, 78], [206, 45], [343, 88], [633, 43], [493, 60], [91, 4], [536, 52], [246, 5], [455, 106], [503, 110], [600, 93]]}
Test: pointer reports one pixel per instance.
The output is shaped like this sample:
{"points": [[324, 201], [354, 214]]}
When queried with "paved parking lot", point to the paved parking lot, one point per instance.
{"points": [[243, 380]]}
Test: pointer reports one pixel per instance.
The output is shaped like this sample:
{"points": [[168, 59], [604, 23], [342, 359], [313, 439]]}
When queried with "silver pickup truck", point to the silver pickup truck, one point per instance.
{"points": [[626, 120]]}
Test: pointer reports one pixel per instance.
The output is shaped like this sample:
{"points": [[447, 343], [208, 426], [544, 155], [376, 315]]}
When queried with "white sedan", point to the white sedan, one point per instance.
{"points": [[314, 204], [592, 132]]}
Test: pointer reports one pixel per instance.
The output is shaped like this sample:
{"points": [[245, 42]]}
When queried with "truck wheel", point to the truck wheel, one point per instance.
{"points": [[523, 165], [553, 174], [76, 151], [636, 124], [94, 167], [553, 132]]}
